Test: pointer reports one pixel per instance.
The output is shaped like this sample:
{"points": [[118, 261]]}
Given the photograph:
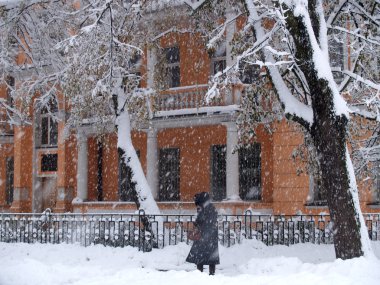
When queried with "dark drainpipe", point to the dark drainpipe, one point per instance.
{"points": [[99, 186]]}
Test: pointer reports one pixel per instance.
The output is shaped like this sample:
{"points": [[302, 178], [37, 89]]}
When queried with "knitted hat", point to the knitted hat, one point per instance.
{"points": [[201, 198]]}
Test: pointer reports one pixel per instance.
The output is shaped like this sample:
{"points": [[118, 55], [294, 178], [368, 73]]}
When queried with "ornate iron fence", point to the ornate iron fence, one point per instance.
{"points": [[119, 230]]}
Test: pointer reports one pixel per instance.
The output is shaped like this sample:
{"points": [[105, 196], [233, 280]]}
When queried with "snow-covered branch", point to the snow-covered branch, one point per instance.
{"points": [[362, 80], [292, 105], [374, 40]]}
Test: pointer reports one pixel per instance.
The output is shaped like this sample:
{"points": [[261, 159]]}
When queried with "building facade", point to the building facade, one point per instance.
{"points": [[186, 147]]}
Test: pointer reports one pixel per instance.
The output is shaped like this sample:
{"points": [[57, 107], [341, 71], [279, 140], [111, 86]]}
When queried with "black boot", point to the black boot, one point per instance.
{"points": [[211, 269], [200, 267]]}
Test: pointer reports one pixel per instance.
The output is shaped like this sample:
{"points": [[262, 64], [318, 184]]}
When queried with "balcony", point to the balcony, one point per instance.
{"points": [[189, 100]]}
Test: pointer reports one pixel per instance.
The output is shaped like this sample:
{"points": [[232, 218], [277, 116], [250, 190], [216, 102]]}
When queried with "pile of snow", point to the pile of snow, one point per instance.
{"points": [[249, 263]]}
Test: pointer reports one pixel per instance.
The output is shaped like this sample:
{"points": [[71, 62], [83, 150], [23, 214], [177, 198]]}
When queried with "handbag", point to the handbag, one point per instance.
{"points": [[194, 234]]}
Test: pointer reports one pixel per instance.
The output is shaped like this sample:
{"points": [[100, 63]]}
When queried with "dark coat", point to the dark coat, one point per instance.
{"points": [[205, 250]]}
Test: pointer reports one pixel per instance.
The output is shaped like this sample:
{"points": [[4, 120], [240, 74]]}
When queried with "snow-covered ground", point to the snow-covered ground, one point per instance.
{"points": [[247, 263]]}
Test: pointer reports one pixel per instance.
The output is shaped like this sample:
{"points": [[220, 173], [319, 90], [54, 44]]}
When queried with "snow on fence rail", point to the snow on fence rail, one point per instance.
{"points": [[119, 230]]}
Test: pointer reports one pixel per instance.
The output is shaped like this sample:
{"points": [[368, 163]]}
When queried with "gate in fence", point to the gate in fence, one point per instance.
{"points": [[119, 230]]}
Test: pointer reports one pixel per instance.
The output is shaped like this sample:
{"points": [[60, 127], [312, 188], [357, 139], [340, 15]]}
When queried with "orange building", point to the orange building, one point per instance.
{"points": [[187, 147]]}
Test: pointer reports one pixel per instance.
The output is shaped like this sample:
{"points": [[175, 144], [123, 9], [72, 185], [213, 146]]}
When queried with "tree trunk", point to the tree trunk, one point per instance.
{"points": [[329, 135], [141, 193], [124, 161]]}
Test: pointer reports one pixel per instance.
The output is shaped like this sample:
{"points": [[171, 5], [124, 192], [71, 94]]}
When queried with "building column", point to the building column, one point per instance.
{"points": [[151, 62], [152, 162], [82, 167], [64, 192], [232, 167], [23, 165]]}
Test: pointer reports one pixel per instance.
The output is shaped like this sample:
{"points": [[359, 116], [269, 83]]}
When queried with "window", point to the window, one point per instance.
{"points": [[134, 65], [319, 195], [378, 181], [218, 60], [169, 174], [173, 66], [336, 53], [126, 186], [11, 85], [49, 162], [9, 186], [49, 125], [6, 127], [377, 184], [250, 172], [249, 73], [135, 61], [218, 172]]}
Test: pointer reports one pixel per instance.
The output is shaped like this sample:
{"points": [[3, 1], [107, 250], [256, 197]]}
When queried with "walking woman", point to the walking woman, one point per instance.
{"points": [[205, 249]]}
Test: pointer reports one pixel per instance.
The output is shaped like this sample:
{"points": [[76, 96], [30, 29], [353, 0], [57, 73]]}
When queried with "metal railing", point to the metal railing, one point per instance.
{"points": [[119, 230], [185, 98]]}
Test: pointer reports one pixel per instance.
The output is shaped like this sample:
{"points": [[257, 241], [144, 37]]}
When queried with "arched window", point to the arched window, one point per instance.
{"points": [[49, 125]]}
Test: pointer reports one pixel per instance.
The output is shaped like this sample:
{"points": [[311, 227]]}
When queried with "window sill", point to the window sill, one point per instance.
{"points": [[316, 204], [374, 205], [47, 147]]}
